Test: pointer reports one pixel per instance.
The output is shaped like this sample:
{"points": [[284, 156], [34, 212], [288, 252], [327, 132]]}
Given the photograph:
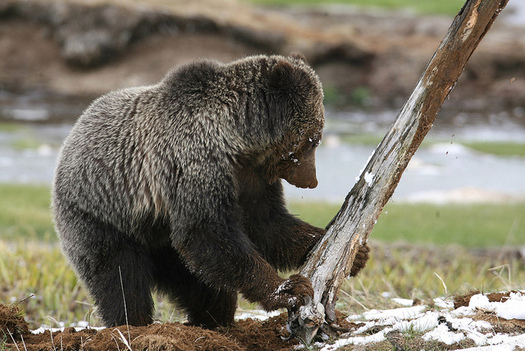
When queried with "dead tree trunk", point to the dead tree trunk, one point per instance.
{"points": [[330, 261]]}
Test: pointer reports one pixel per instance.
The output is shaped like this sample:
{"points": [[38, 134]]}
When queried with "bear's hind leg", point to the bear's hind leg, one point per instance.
{"points": [[110, 264], [205, 307], [123, 290]]}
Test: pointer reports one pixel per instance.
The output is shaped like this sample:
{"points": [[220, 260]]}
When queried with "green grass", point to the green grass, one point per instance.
{"points": [[498, 148], [475, 225], [28, 268], [489, 147], [410, 271], [25, 212], [25, 143], [9, 127], [449, 7], [404, 262]]}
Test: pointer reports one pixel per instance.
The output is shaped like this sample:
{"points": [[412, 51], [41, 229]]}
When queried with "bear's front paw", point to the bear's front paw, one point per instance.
{"points": [[291, 294]]}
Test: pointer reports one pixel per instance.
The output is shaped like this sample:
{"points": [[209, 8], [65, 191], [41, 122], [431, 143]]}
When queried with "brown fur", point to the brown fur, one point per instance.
{"points": [[176, 187]]}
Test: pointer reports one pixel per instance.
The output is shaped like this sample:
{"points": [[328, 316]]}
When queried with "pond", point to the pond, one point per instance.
{"points": [[441, 170]]}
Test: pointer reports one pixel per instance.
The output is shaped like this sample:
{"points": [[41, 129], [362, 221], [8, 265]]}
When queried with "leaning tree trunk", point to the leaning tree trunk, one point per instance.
{"points": [[330, 261]]}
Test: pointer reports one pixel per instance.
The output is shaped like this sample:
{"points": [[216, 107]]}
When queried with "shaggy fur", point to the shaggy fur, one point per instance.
{"points": [[176, 187]]}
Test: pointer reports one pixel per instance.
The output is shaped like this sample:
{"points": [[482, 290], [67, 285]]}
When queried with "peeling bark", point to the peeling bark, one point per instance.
{"points": [[331, 260]]}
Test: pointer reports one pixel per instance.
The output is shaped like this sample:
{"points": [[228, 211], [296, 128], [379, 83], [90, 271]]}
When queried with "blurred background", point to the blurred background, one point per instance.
{"points": [[463, 189], [56, 56]]}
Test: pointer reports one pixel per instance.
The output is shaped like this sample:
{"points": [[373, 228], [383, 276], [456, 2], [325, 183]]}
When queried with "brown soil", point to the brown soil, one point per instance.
{"points": [[248, 334], [12, 321]]}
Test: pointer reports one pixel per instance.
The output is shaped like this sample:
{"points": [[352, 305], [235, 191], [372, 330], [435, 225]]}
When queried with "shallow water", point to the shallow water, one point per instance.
{"points": [[30, 143]]}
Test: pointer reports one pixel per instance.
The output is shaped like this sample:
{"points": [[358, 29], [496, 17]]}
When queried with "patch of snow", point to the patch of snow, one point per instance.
{"points": [[443, 323], [403, 302], [479, 301], [369, 178], [456, 329], [394, 314], [78, 327], [257, 314], [82, 324], [378, 337], [443, 334], [510, 342], [442, 303], [424, 322], [513, 308]]}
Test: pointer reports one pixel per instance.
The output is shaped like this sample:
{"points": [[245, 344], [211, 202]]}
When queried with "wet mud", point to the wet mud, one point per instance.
{"points": [[247, 334]]}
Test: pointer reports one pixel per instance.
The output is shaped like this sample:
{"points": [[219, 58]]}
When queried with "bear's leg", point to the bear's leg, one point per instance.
{"points": [[205, 306], [111, 265], [122, 289]]}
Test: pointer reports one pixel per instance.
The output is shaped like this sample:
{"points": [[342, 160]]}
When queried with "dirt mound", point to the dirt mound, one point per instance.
{"points": [[12, 321], [251, 334], [169, 336], [248, 334]]}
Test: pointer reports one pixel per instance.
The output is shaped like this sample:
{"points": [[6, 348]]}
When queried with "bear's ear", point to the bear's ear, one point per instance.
{"points": [[282, 76], [298, 56]]}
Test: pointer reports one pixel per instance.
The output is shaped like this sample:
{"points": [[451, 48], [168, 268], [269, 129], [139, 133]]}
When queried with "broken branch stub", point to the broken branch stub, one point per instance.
{"points": [[330, 262]]}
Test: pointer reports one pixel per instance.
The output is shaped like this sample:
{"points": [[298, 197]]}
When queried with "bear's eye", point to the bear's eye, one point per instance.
{"points": [[313, 143]]}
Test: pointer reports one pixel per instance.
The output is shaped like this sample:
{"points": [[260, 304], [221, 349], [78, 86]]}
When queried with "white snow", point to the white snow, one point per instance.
{"points": [[513, 308], [257, 314], [395, 314], [442, 333], [378, 337], [442, 303], [442, 323], [78, 327], [403, 302], [369, 178]]}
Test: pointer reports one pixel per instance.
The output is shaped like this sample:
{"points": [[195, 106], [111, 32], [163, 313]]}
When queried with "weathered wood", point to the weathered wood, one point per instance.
{"points": [[330, 261]]}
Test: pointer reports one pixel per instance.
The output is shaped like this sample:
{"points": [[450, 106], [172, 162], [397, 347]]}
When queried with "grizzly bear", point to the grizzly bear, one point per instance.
{"points": [[176, 187]]}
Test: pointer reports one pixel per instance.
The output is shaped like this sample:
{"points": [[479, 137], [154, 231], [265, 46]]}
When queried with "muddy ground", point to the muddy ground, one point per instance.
{"points": [[364, 58], [248, 334]]}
